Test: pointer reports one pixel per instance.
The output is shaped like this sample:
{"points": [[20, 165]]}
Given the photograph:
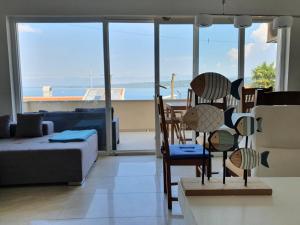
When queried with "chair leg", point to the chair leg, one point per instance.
{"points": [[164, 177], [198, 173], [179, 134], [176, 129], [209, 168], [169, 186], [182, 134]]}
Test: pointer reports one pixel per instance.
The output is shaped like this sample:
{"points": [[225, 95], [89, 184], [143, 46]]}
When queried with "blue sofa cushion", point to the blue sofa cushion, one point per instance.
{"points": [[72, 136], [184, 151]]}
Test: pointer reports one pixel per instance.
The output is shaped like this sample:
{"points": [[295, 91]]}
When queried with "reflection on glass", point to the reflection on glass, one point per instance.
{"points": [[62, 61], [218, 50], [132, 60], [260, 57], [176, 59]]}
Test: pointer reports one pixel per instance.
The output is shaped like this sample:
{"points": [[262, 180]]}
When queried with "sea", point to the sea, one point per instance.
{"points": [[133, 91]]}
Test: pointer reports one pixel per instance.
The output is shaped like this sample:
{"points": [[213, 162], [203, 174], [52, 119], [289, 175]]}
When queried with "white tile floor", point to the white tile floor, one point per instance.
{"points": [[139, 141], [120, 190], [133, 141]]}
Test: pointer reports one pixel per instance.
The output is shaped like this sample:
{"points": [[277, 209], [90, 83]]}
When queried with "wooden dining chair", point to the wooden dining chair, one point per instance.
{"points": [[219, 103], [176, 121], [189, 99], [248, 97], [177, 155]]}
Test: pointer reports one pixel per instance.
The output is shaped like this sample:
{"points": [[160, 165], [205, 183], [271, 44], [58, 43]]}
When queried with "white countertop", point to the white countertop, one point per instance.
{"points": [[282, 208]]}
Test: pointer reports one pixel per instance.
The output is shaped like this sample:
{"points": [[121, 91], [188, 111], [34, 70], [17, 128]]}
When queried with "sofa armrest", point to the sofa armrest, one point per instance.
{"points": [[115, 132], [47, 126]]}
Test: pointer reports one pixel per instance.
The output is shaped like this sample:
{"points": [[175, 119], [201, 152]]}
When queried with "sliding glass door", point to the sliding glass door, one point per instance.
{"points": [[132, 82], [62, 74], [176, 60]]}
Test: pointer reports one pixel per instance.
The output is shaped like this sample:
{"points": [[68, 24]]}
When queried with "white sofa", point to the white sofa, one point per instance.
{"points": [[280, 136]]}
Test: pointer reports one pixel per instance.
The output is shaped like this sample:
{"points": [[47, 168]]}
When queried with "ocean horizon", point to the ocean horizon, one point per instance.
{"points": [[133, 91]]}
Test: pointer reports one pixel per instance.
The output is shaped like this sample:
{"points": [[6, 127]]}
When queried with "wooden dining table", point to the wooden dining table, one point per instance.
{"points": [[172, 108]]}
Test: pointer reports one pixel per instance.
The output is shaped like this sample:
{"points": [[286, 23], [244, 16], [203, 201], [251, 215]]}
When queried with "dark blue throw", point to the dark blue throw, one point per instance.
{"points": [[72, 136]]}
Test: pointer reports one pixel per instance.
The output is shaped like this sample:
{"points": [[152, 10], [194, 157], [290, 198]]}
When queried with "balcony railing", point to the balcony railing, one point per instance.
{"points": [[134, 115]]}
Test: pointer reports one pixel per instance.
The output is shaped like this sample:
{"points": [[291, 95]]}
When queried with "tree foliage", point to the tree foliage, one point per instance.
{"points": [[263, 75]]}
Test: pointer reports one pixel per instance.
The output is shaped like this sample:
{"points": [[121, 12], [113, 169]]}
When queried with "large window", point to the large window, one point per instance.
{"points": [[60, 62], [218, 50], [132, 78], [260, 57], [62, 66], [132, 60], [176, 59]]}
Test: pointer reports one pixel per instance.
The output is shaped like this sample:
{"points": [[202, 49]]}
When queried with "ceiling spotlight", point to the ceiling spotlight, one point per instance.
{"points": [[242, 21], [282, 22], [203, 20]]}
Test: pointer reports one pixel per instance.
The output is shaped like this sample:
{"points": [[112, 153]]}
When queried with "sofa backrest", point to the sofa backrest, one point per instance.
{"points": [[75, 120], [280, 125], [95, 110]]}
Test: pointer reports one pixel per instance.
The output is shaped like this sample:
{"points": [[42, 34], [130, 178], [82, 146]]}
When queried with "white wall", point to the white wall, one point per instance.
{"points": [[131, 7], [263, 7], [135, 115]]}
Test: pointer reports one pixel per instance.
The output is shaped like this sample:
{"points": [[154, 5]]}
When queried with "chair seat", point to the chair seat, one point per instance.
{"points": [[184, 151]]}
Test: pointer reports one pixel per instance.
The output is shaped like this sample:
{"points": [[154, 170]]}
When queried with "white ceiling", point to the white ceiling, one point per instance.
{"points": [[148, 7]]}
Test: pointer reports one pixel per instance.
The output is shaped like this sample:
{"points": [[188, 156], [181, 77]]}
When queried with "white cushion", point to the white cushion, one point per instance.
{"points": [[283, 162], [281, 126]]}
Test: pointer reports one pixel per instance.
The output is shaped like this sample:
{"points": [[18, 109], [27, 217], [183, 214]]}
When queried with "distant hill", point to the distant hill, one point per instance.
{"points": [[178, 84]]}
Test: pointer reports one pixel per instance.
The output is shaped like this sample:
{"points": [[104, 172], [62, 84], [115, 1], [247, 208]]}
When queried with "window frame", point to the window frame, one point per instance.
{"points": [[13, 49]]}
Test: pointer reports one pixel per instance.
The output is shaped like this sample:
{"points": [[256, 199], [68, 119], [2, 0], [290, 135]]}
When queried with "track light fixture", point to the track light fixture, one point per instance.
{"points": [[282, 22], [203, 20], [242, 21]]}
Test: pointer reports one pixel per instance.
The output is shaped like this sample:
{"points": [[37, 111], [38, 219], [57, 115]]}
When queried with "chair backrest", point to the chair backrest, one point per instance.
{"points": [[163, 127], [189, 99], [248, 97], [219, 103], [232, 102]]}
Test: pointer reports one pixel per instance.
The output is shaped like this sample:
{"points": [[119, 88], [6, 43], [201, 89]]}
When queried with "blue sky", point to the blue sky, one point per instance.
{"points": [[72, 54]]}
